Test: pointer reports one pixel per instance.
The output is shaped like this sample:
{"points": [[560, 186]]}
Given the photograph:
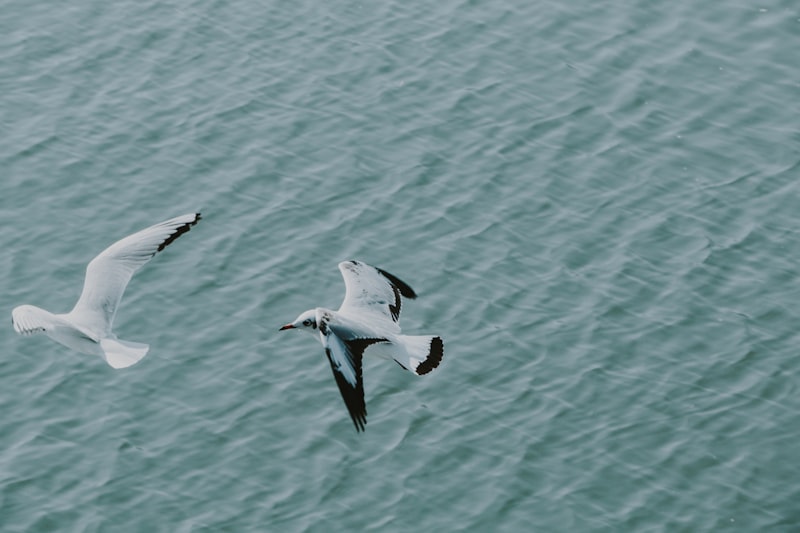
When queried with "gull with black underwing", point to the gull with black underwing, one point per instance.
{"points": [[367, 323]]}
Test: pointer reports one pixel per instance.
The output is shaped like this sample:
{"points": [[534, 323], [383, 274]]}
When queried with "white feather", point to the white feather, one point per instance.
{"points": [[370, 296]]}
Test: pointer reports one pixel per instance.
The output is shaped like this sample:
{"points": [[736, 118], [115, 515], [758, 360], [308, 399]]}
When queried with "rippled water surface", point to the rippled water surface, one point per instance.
{"points": [[598, 205]]}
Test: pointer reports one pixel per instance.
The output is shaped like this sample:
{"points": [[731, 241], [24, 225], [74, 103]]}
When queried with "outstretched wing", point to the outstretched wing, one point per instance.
{"points": [[345, 359], [108, 274], [373, 291]]}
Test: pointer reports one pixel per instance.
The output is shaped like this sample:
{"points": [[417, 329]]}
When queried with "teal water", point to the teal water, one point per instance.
{"points": [[598, 205]]}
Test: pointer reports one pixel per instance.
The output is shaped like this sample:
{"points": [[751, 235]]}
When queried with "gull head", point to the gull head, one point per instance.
{"points": [[306, 321]]}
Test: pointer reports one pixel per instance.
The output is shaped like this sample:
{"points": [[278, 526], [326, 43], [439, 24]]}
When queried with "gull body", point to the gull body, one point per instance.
{"points": [[87, 328], [367, 323]]}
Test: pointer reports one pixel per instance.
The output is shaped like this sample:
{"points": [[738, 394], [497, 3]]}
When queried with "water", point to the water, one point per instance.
{"points": [[597, 205]]}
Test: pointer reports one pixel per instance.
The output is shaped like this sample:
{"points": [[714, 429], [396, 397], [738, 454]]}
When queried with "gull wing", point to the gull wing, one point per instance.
{"points": [[372, 291], [345, 358], [108, 274], [29, 319]]}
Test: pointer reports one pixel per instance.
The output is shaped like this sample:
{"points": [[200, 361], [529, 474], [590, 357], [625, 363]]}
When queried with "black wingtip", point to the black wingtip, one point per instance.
{"points": [[434, 357], [359, 418], [180, 230], [359, 423], [401, 285], [359, 412], [353, 396]]}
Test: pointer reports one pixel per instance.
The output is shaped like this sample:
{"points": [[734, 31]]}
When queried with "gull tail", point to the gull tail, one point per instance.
{"points": [[419, 353], [122, 354]]}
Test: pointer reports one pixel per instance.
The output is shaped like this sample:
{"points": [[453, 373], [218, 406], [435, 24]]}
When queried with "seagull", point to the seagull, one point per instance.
{"points": [[366, 322], [87, 328]]}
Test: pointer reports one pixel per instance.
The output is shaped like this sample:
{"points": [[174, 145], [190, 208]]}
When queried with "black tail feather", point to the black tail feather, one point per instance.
{"points": [[434, 357]]}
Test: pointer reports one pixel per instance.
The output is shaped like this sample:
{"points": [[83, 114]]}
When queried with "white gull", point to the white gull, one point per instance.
{"points": [[87, 328], [366, 323]]}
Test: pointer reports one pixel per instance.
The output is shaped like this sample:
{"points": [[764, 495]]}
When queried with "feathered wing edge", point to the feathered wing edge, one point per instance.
{"points": [[108, 274], [345, 358], [29, 319], [399, 284], [369, 288]]}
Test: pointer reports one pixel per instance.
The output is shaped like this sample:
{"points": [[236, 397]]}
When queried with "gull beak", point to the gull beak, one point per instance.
{"points": [[287, 326]]}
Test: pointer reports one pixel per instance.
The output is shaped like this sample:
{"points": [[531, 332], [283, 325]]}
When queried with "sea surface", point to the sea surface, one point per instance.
{"points": [[598, 204]]}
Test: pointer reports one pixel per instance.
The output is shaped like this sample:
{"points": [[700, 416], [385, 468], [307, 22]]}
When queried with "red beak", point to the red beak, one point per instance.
{"points": [[287, 326]]}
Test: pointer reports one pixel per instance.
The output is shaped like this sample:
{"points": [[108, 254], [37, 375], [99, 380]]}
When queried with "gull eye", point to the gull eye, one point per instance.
{"points": [[307, 322]]}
